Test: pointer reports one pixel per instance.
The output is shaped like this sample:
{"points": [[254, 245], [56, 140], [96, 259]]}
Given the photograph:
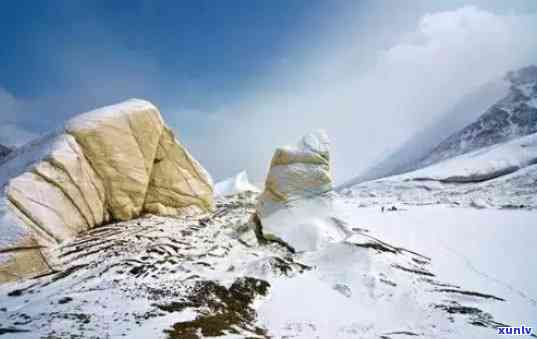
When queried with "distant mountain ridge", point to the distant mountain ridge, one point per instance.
{"points": [[511, 117], [464, 128]]}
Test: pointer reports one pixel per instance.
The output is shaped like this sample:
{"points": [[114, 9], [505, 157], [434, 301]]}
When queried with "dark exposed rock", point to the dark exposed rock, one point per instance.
{"points": [[4, 151], [224, 309], [504, 115]]}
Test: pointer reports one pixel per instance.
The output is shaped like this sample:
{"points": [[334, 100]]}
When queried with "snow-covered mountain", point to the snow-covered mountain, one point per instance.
{"points": [[510, 111], [499, 176], [513, 116]]}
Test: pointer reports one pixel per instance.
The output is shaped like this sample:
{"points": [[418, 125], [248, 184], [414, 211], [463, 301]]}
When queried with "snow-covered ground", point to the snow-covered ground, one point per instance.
{"points": [[428, 271], [398, 272], [137, 279], [489, 250]]}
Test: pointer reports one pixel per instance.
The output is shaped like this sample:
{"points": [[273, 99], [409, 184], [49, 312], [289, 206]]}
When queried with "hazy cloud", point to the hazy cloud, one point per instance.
{"points": [[369, 113]]}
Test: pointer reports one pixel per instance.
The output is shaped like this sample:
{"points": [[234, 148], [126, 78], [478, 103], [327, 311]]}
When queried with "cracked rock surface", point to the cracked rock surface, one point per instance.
{"points": [[111, 164]]}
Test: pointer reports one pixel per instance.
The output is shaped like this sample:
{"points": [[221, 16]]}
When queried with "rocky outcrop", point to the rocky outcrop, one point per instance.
{"points": [[297, 172], [4, 151], [111, 164]]}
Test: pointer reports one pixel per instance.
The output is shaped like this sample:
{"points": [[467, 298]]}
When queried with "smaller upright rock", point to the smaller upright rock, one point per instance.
{"points": [[297, 172]]}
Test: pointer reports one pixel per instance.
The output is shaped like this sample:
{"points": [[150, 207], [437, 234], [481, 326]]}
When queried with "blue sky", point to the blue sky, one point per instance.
{"points": [[199, 53], [238, 78], [207, 44]]}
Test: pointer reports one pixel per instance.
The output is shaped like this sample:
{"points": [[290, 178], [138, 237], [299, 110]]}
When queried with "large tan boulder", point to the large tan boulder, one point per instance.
{"points": [[189, 191], [113, 163], [297, 172]]}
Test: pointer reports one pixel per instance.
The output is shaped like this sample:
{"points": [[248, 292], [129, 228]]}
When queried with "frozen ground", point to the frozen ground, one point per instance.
{"points": [[483, 249], [425, 271]]}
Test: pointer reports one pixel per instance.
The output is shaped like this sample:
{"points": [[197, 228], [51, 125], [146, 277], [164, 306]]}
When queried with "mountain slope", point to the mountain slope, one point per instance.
{"points": [[513, 116], [503, 175], [420, 145], [465, 128]]}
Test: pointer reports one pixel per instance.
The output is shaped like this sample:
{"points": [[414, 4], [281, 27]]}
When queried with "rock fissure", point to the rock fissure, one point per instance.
{"points": [[101, 167], [60, 166], [21, 209], [65, 192]]}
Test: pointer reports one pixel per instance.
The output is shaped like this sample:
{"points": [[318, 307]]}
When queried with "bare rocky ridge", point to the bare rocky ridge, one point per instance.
{"points": [[407, 155], [4, 151], [513, 116], [498, 112], [110, 164]]}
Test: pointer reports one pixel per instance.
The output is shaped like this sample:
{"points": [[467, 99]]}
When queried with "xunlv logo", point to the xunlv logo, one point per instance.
{"points": [[522, 330]]}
